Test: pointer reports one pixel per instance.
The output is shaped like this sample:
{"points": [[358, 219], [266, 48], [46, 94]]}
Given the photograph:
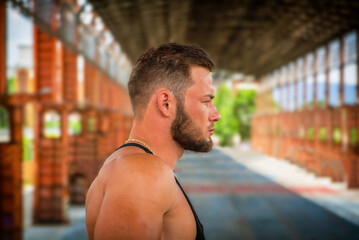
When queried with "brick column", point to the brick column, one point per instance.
{"points": [[51, 193], [69, 72], [103, 90], [10, 178], [51, 180], [91, 84], [44, 65]]}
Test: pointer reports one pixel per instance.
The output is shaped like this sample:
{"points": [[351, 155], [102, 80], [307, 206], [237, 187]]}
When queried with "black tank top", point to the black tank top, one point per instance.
{"points": [[199, 226]]}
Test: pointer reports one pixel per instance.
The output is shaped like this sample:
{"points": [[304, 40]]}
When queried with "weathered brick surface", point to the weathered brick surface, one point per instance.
{"points": [[11, 178], [88, 151], [83, 165], [10, 191], [70, 83], [45, 64], [90, 84], [51, 190], [324, 157]]}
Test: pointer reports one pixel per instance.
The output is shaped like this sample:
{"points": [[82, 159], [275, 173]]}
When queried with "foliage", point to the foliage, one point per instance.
{"points": [[75, 127], [4, 118], [322, 134], [244, 107], [353, 136], [311, 133], [11, 85], [52, 128], [336, 135], [235, 113], [27, 145], [228, 125]]}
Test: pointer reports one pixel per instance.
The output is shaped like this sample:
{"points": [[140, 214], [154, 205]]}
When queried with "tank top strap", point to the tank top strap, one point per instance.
{"points": [[135, 145], [199, 226]]}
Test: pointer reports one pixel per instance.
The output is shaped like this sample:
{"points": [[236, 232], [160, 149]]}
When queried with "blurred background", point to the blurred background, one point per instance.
{"points": [[286, 87]]}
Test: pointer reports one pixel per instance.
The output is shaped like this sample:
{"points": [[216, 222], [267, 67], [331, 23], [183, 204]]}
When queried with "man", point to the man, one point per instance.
{"points": [[136, 194]]}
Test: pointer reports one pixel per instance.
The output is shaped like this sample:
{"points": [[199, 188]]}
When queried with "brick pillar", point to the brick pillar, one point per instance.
{"points": [[103, 91], [51, 180], [89, 163], [10, 179], [103, 128], [82, 150], [353, 176], [51, 193], [91, 84], [44, 65], [112, 103], [70, 84]]}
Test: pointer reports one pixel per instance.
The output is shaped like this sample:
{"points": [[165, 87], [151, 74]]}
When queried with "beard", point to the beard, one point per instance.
{"points": [[187, 134]]}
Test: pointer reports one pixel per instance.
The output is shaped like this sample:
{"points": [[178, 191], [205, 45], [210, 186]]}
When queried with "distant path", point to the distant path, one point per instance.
{"points": [[234, 202]]}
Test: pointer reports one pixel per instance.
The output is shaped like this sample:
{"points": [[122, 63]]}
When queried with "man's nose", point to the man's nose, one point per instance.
{"points": [[215, 116]]}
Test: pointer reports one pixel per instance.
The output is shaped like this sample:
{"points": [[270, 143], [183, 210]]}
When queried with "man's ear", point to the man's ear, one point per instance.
{"points": [[165, 102]]}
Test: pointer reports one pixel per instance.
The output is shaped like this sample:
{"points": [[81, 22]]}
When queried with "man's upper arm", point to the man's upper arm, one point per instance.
{"points": [[133, 205]]}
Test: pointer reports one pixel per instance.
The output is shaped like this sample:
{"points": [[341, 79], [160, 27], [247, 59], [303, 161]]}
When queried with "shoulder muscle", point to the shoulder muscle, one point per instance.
{"points": [[138, 191]]}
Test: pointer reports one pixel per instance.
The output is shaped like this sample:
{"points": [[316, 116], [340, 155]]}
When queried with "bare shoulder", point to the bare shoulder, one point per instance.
{"points": [[136, 190], [135, 168], [138, 174]]}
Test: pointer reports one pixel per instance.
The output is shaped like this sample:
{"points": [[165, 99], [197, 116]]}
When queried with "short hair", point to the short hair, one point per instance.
{"points": [[168, 66]]}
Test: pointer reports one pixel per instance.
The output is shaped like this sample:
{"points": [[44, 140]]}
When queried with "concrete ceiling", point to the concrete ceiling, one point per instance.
{"points": [[253, 37]]}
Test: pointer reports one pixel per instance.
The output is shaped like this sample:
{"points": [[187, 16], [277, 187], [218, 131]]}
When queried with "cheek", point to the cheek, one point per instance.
{"points": [[199, 112], [203, 112]]}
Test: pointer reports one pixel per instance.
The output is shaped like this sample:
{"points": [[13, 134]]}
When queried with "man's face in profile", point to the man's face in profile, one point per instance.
{"points": [[187, 133], [194, 122]]}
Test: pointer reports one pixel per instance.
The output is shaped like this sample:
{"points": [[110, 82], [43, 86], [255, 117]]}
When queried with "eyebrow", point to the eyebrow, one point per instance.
{"points": [[211, 96]]}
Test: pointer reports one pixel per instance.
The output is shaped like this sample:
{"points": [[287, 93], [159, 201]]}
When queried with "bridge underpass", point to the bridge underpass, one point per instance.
{"points": [[302, 55]]}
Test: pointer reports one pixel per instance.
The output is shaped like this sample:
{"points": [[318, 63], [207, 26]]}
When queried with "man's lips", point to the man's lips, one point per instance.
{"points": [[211, 131]]}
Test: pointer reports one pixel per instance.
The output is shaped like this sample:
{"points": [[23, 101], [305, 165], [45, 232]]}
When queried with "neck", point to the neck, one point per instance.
{"points": [[158, 140]]}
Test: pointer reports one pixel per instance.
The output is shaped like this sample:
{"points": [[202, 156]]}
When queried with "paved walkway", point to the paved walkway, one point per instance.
{"points": [[245, 198], [240, 194]]}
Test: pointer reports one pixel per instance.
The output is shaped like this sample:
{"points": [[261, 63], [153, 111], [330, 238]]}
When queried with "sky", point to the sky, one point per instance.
{"points": [[19, 32]]}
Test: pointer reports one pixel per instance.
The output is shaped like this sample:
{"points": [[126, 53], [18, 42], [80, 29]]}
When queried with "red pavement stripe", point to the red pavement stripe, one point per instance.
{"points": [[258, 189]]}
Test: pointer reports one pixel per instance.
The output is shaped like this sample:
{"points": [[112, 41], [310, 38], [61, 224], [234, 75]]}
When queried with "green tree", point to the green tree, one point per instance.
{"points": [[11, 85], [4, 118], [244, 107], [228, 125]]}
